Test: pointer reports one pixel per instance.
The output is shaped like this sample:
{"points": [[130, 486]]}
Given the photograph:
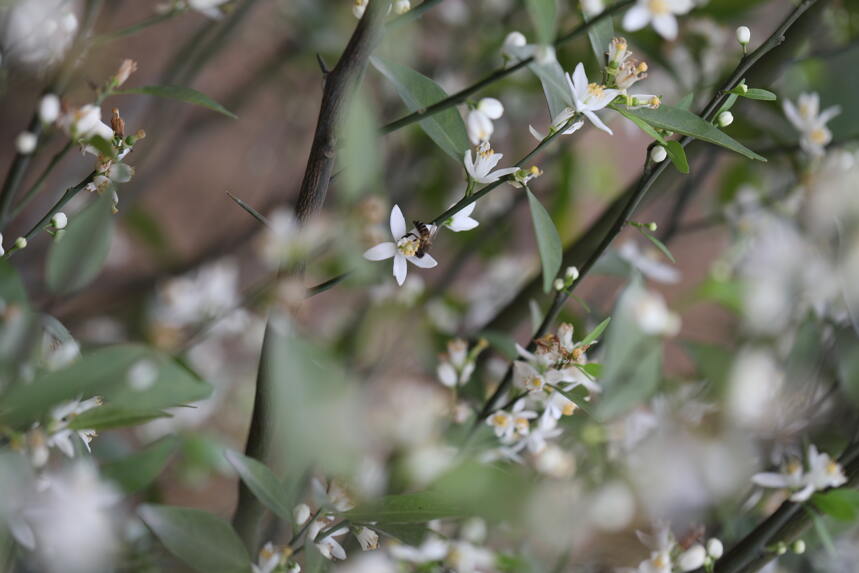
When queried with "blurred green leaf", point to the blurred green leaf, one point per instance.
{"points": [[682, 121], [600, 36], [548, 241], [263, 483], [361, 153], [12, 290], [417, 91], [729, 103], [407, 508], [594, 334], [204, 542], [847, 363], [502, 342], [137, 471], [76, 260], [640, 123], [659, 245], [250, 210], [555, 87], [105, 372], [409, 533], [727, 293], [577, 396], [759, 94], [102, 145], [180, 93], [712, 362], [840, 504], [109, 416], [544, 15]]}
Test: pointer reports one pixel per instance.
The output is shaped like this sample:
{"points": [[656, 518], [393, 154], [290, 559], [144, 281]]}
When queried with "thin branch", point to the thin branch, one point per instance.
{"points": [[498, 74], [340, 85]]}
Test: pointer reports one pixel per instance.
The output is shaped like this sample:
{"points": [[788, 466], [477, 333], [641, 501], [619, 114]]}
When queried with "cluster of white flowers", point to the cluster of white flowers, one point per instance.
{"points": [[823, 472], [556, 366], [56, 432], [667, 556], [456, 367]]}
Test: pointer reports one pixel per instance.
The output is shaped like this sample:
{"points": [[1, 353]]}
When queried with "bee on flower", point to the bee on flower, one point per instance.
{"points": [[405, 248]]}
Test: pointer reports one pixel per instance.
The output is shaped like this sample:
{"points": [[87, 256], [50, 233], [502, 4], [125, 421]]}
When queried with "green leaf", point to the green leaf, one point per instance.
{"points": [[418, 92], [76, 260], [577, 396], [263, 483], [106, 372], [759, 94], [686, 101], [544, 15], [594, 334], [712, 362], [417, 507], [726, 293], [600, 36], [659, 245], [12, 290], [677, 155], [102, 145], [109, 416], [502, 342], [548, 241], [729, 103], [409, 533], [204, 542], [640, 123], [840, 504], [180, 93], [682, 121], [555, 88], [137, 471], [360, 156], [593, 369], [250, 210], [822, 532]]}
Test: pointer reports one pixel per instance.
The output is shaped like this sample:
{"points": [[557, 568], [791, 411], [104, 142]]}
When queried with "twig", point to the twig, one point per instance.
{"points": [[339, 87]]}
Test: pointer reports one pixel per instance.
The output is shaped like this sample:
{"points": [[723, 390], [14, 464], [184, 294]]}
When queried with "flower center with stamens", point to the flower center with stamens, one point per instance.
{"points": [[659, 7], [569, 408], [832, 468], [408, 245], [500, 420], [522, 425], [595, 90], [819, 136], [534, 383]]}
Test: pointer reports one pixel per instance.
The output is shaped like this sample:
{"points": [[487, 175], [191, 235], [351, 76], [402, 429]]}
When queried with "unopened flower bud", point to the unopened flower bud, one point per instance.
{"points": [[725, 119], [798, 546], [59, 220], [744, 89], [744, 35], [572, 273], [559, 284], [49, 108], [402, 6], [780, 548], [658, 154], [21, 243], [715, 549], [515, 40], [692, 558], [26, 142], [126, 68], [301, 513], [652, 226], [491, 107]]}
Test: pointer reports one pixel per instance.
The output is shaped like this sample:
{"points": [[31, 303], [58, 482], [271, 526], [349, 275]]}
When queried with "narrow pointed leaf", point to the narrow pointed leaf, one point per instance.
{"points": [[183, 94], [263, 483], [548, 241]]}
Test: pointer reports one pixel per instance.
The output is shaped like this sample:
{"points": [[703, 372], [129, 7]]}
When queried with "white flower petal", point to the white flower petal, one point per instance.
{"points": [[400, 268], [380, 252], [636, 18], [398, 223], [425, 262], [666, 26], [597, 122]]}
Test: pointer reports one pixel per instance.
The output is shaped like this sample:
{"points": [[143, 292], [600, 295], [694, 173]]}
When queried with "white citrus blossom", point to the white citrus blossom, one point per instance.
{"points": [[462, 219], [810, 122], [513, 43], [648, 263], [456, 367], [432, 549], [479, 127], [502, 424], [661, 544], [653, 316], [558, 122], [84, 123], [659, 13], [368, 538], [268, 560], [328, 546], [480, 169], [823, 472], [209, 8], [589, 97], [403, 249], [59, 434]]}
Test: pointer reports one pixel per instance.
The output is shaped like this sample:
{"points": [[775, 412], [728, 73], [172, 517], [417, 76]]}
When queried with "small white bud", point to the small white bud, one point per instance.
{"points": [[652, 226], [21, 243], [2, 250], [490, 107], [59, 220], [715, 549], [658, 154], [572, 273], [358, 8], [780, 548], [26, 142], [293, 567], [402, 6], [515, 40], [744, 35], [744, 89], [49, 108], [798, 546], [559, 284], [692, 558], [725, 119], [301, 513]]}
